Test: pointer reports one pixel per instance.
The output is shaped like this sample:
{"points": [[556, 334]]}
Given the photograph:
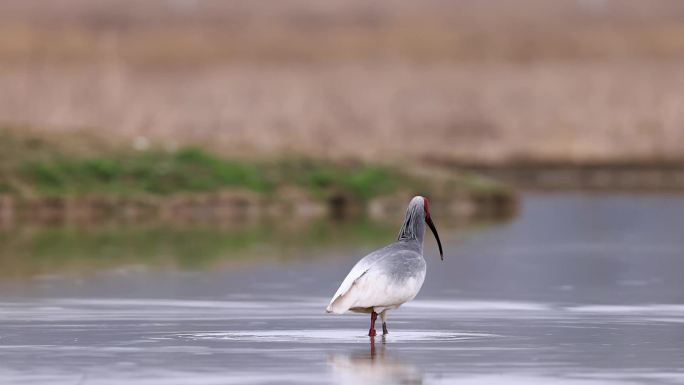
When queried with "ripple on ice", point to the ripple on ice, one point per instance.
{"points": [[331, 335]]}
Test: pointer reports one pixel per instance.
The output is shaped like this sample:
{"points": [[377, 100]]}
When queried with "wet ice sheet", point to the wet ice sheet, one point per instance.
{"points": [[577, 290], [106, 341]]}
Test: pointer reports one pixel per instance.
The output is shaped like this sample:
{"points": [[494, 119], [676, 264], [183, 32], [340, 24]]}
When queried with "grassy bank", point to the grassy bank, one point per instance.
{"points": [[190, 170], [51, 178]]}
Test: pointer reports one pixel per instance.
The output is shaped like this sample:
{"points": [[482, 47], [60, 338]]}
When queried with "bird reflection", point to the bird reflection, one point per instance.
{"points": [[373, 365]]}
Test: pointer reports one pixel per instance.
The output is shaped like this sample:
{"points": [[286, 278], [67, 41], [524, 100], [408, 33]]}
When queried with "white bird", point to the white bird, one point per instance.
{"points": [[387, 278]]}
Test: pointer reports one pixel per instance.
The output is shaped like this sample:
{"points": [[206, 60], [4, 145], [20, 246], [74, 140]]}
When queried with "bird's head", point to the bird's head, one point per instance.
{"points": [[416, 204]]}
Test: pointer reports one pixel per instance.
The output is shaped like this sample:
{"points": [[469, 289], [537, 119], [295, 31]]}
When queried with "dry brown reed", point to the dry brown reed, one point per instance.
{"points": [[485, 81]]}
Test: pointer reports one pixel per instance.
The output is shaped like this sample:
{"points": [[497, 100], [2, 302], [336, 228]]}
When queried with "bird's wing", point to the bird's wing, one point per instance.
{"points": [[356, 272]]}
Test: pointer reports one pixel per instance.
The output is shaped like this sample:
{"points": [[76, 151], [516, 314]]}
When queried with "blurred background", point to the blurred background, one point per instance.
{"points": [[472, 81], [251, 151], [207, 110]]}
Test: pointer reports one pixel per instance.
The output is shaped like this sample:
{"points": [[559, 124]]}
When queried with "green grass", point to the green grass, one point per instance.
{"points": [[362, 181], [155, 172], [36, 167]]}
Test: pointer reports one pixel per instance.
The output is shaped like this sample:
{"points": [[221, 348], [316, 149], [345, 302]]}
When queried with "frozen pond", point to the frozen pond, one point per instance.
{"points": [[577, 289]]}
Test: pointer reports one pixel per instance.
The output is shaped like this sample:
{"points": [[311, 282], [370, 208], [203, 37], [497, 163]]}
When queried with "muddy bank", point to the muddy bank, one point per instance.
{"points": [[229, 206], [627, 176]]}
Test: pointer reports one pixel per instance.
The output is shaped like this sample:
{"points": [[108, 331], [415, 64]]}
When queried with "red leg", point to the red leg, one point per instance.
{"points": [[371, 331]]}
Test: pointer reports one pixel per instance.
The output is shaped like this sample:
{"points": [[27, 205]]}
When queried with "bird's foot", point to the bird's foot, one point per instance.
{"points": [[371, 333]]}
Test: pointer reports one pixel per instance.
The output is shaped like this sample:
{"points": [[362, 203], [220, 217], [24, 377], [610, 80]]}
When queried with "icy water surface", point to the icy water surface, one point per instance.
{"points": [[576, 290]]}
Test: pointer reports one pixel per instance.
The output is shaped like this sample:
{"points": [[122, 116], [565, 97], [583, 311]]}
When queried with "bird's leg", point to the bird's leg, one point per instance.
{"points": [[371, 331], [383, 315]]}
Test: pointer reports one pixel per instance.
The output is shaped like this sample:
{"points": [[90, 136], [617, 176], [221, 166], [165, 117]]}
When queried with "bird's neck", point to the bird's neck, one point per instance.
{"points": [[413, 228]]}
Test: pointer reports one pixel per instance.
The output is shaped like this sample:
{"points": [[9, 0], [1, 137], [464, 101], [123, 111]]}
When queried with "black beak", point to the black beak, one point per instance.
{"points": [[432, 227]]}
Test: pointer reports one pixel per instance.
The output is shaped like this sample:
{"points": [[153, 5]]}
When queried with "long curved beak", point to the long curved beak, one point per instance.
{"points": [[432, 227]]}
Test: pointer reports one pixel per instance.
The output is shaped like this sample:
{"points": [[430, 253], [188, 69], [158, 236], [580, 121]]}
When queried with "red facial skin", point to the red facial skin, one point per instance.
{"points": [[426, 207]]}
